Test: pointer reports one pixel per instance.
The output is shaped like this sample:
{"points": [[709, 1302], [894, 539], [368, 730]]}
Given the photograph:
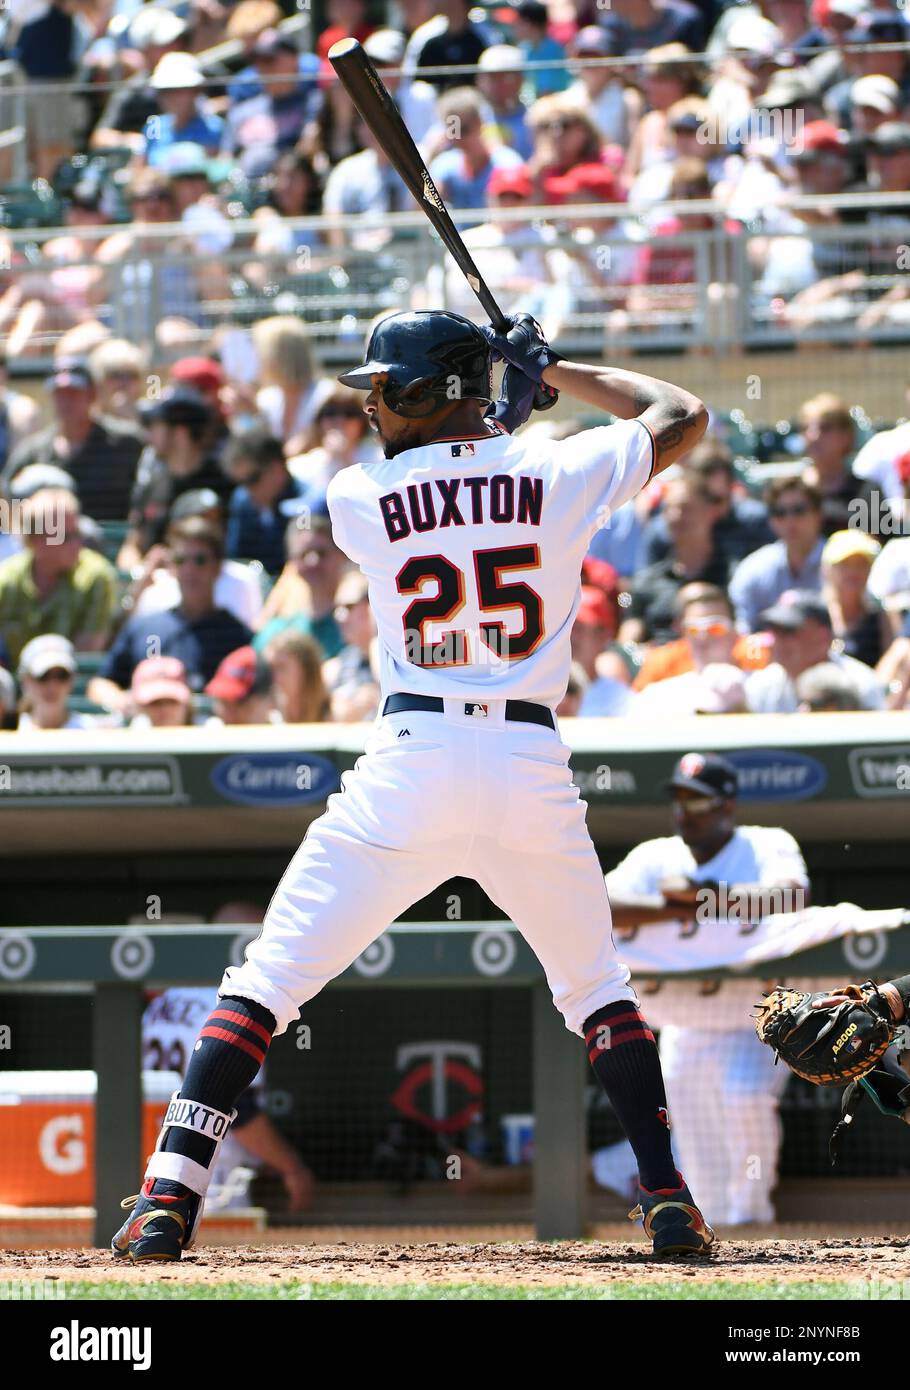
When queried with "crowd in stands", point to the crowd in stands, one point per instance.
{"points": [[173, 563], [166, 554], [206, 114]]}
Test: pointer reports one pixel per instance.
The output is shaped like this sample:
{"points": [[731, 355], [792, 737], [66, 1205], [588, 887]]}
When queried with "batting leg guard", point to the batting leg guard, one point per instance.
{"points": [[183, 1113]]}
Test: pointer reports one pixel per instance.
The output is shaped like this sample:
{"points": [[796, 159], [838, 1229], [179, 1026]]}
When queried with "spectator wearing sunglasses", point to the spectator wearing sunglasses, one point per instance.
{"points": [[257, 518], [703, 618], [340, 435], [46, 670], [564, 136], [714, 683], [196, 631], [793, 561], [238, 587]]}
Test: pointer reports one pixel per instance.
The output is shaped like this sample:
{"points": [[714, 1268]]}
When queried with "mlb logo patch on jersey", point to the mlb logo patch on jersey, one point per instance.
{"points": [[462, 451], [477, 711]]}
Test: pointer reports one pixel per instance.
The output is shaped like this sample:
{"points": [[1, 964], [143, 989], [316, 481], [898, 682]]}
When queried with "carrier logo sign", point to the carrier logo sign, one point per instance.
{"points": [[274, 779], [778, 775], [880, 771]]}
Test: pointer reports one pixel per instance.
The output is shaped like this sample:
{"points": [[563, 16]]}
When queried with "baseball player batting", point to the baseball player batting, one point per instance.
{"points": [[472, 541]]}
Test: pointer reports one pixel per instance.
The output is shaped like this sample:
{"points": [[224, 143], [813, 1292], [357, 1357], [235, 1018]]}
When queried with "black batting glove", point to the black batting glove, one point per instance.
{"points": [[516, 400], [524, 346]]}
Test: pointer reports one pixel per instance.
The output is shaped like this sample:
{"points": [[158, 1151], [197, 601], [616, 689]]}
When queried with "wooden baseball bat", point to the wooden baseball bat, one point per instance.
{"points": [[369, 94]]}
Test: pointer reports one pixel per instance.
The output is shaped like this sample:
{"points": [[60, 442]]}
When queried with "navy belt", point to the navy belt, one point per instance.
{"points": [[522, 711]]}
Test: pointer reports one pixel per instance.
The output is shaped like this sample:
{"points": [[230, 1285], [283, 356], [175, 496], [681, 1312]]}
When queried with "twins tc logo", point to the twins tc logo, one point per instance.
{"points": [[691, 765]]}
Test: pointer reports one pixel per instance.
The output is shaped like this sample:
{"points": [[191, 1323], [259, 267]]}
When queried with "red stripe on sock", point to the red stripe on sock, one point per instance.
{"points": [[633, 1017], [224, 1036], [245, 1022]]}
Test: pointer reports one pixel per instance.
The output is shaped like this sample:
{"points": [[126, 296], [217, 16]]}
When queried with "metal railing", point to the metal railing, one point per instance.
{"points": [[589, 276]]}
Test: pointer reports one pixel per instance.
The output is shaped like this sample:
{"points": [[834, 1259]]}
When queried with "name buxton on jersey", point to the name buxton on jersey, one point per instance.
{"points": [[444, 502]]}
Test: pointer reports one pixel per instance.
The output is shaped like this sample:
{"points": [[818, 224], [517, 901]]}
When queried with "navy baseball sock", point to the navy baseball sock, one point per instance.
{"points": [[229, 1051], [623, 1053]]}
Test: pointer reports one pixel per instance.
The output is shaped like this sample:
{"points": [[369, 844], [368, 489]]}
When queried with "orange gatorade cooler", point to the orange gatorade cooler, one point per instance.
{"points": [[47, 1134]]}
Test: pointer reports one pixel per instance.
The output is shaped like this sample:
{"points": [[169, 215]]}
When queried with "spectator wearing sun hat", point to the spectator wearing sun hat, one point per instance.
{"points": [[160, 694], [242, 689], [153, 32], [874, 99], [179, 82], [499, 81], [47, 666], [860, 627]]}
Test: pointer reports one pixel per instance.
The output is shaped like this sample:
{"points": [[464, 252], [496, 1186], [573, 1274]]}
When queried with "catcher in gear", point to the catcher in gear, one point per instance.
{"points": [[855, 1034]]}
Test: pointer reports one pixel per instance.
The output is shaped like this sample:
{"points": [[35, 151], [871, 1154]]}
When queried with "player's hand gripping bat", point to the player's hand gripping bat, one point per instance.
{"points": [[369, 95]]}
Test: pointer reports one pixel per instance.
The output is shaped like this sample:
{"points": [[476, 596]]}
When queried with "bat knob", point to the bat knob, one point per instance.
{"points": [[545, 397]]}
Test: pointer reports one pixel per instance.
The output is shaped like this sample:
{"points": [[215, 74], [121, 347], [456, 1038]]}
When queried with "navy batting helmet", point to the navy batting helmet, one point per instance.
{"points": [[429, 359]]}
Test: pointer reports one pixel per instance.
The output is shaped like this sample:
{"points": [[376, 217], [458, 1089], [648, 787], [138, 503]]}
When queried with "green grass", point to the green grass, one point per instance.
{"points": [[293, 1289]]}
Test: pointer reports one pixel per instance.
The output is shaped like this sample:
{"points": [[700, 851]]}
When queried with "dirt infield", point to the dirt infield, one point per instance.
{"points": [[527, 1263]]}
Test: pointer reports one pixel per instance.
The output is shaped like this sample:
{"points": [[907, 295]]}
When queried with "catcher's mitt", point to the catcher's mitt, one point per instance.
{"points": [[827, 1038]]}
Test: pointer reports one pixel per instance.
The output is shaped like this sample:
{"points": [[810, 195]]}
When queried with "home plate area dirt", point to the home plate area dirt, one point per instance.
{"points": [[518, 1263]]}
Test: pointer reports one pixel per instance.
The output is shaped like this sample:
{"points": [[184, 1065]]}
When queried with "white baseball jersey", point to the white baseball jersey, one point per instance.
{"points": [[473, 551], [722, 1085], [761, 854]]}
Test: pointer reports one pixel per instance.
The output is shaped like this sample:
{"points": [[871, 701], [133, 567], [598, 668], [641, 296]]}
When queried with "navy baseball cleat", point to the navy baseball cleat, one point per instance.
{"points": [[160, 1225], [673, 1221]]}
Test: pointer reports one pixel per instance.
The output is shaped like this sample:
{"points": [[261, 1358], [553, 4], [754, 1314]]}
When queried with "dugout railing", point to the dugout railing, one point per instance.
{"points": [[117, 965]]}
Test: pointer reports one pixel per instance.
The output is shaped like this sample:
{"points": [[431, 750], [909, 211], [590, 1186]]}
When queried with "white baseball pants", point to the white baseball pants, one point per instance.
{"points": [[437, 795]]}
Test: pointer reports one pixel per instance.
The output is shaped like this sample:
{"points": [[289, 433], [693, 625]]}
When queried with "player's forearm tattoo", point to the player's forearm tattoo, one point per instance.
{"points": [[672, 434]]}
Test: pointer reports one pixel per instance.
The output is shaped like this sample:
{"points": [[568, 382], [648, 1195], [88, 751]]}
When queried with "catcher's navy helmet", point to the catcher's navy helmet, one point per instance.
{"points": [[430, 358]]}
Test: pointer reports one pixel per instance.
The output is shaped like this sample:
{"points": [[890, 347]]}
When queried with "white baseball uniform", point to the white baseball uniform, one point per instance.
{"points": [[722, 1086], [473, 549], [171, 1024]]}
